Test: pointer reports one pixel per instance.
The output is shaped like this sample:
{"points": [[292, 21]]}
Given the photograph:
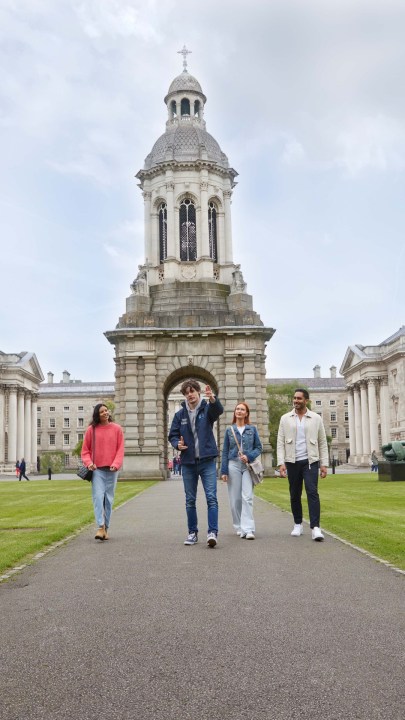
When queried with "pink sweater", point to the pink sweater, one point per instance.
{"points": [[109, 446]]}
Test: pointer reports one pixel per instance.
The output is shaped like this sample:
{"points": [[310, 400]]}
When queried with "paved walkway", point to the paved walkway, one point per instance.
{"points": [[144, 627]]}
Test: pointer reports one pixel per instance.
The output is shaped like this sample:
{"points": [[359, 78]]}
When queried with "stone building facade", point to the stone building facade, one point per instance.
{"points": [[64, 410], [188, 314], [375, 380], [329, 399], [20, 377]]}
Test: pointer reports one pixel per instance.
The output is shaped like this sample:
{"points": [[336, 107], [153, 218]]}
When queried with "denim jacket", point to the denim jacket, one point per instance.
{"points": [[249, 443], [207, 414]]}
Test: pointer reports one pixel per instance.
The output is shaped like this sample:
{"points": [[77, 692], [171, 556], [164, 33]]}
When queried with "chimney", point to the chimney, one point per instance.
{"points": [[50, 378], [317, 371], [66, 377], [333, 371]]}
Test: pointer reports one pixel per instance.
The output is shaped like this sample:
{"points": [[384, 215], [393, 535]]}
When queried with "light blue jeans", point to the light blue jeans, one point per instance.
{"points": [[103, 489], [207, 471], [240, 492]]}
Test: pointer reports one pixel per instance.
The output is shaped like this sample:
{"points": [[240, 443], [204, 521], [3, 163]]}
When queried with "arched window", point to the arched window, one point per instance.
{"points": [[162, 232], [173, 107], [212, 231], [188, 232], [185, 106], [197, 108]]}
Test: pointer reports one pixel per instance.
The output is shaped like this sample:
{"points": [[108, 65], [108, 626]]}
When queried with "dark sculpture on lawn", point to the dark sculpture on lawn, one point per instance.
{"points": [[394, 451]]}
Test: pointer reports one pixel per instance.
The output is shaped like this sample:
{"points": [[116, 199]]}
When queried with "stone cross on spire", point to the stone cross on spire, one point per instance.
{"points": [[184, 52]]}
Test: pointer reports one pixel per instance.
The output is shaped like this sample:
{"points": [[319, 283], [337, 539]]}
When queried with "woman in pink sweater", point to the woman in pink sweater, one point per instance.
{"points": [[103, 452]]}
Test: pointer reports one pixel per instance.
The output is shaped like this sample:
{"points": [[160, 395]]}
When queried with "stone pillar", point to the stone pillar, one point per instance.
{"points": [[172, 250], [20, 425], [27, 430], [205, 244], [228, 226], [148, 226], [34, 403], [2, 425], [352, 433], [221, 236], [357, 423], [12, 425], [372, 406], [155, 241], [385, 411], [365, 421]]}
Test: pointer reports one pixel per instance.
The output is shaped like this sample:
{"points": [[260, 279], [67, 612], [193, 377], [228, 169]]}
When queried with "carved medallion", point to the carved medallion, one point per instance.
{"points": [[188, 273]]}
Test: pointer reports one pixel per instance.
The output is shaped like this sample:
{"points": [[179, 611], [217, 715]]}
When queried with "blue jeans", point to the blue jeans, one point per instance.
{"points": [[103, 489], [207, 471], [298, 473]]}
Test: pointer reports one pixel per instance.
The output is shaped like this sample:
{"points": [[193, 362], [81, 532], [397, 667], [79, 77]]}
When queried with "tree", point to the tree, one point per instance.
{"points": [[279, 401]]}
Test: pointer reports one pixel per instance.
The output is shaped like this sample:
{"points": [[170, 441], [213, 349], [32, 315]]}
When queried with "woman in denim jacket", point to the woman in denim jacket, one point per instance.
{"points": [[235, 472]]}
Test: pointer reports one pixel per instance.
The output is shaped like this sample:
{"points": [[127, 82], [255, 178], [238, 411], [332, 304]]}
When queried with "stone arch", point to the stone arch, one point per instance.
{"points": [[178, 376], [187, 195]]}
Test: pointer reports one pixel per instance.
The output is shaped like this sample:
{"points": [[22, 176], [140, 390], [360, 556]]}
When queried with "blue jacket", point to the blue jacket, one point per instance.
{"points": [[207, 414], [249, 442]]}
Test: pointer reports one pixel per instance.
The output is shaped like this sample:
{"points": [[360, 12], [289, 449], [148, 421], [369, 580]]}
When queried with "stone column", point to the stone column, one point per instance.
{"points": [[205, 245], [228, 226], [372, 406], [2, 425], [155, 241], [357, 423], [34, 403], [148, 227], [12, 425], [221, 236], [20, 425], [385, 411], [365, 421], [27, 430], [172, 250], [352, 433]]}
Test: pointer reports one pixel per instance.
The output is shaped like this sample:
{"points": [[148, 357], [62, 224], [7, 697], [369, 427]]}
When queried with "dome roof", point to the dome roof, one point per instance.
{"points": [[186, 143], [185, 82]]}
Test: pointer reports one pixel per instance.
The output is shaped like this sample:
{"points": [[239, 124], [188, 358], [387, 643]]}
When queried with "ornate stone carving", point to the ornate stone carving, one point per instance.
{"points": [[140, 284], [188, 272], [238, 283]]}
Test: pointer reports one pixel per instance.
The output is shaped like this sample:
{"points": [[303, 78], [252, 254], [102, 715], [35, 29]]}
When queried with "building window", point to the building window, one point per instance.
{"points": [[318, 402], [38, 439], [333, 417], [38, 422], [52, 422], [347, 433], [80, 437], [185, 106], [346, 416], [52, 439], [188, 232], [66, 408], [38, 408], [52, 408], [66, 422], [332, 402], [333, 432], [162, 232], [67, 460], [80, 408], [80, 422], [66, 439], [346, 402], [212, 231]]}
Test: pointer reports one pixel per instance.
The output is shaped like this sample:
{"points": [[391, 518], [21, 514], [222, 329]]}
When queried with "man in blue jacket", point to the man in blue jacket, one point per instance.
{"points": [[191, 433]]}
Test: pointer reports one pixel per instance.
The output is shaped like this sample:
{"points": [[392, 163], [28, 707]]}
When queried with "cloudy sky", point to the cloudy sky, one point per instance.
{"points": [[306, 97]]}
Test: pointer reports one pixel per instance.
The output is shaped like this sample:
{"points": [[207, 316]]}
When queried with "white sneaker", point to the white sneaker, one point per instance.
{"points": [[239, 532], [317, 534], [211, 539], [297, 530], [250, 536]]}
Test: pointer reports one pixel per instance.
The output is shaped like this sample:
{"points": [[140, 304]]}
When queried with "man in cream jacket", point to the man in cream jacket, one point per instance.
{"points": [[302, 452]]}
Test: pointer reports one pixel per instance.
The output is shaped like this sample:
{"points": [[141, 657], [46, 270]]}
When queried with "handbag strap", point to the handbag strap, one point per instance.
{"points": [[234, 434]]}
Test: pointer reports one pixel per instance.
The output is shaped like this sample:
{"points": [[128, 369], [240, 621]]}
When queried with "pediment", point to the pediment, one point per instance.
{"points": [[30, 364], [353, 356]]}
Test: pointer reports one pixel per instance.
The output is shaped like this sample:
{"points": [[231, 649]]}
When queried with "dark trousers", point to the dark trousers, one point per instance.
{"points": [[299, 473]]}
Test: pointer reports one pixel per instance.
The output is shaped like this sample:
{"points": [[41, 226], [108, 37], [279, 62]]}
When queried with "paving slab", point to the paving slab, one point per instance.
{"points": [[144, 627]]}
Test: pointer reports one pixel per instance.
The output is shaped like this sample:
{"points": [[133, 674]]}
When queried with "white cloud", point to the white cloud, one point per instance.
{"points": [[371, 143]]}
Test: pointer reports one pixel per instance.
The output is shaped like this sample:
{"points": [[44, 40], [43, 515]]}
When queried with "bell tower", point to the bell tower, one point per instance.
{"points": [[188, 314]]}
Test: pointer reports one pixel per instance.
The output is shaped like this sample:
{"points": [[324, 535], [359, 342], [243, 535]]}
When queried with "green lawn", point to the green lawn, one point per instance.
{"points": [[36, 514], [358, 508]]}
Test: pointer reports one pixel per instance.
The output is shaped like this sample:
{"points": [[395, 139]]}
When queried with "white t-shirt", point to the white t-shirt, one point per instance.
{"points": [[301, 452]]}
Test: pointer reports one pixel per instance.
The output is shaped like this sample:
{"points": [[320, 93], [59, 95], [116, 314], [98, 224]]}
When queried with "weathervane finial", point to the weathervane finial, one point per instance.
{"points": [[184, 52]]}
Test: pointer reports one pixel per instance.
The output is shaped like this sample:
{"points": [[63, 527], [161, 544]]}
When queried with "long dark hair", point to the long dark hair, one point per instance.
{"points": [[96, 414]]}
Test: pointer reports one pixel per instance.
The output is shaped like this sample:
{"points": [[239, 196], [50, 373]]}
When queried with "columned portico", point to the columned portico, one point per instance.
{"points": [[372, 408], [365, 420], [357, 422], [352, 435], [12, 424]]}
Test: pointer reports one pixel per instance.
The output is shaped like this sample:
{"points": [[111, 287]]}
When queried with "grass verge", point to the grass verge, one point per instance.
{"points": [[358, 508], [36, 514]]}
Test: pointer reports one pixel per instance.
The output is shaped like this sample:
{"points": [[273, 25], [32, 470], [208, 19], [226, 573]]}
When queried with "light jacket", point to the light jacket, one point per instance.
{"points": [[249, 443], [315, 437], [207, 414]]}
